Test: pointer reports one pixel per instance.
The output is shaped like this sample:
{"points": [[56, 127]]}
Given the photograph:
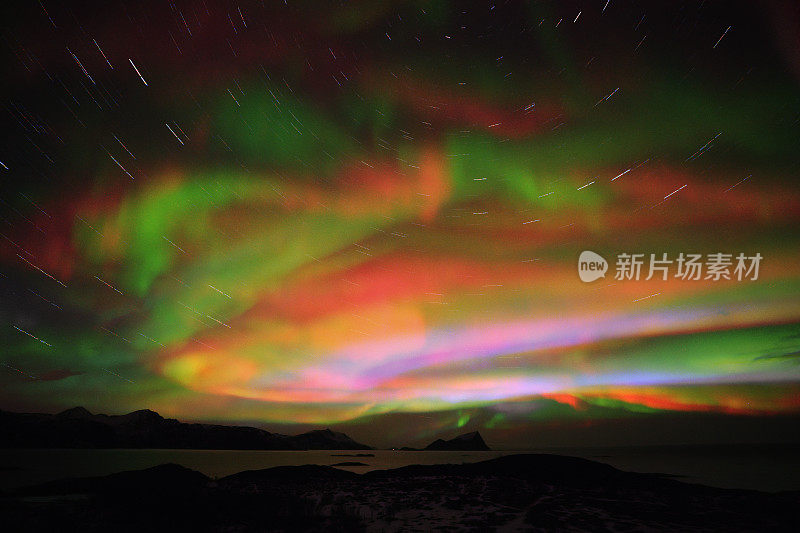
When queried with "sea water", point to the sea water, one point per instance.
{"points": [[762, 467]]}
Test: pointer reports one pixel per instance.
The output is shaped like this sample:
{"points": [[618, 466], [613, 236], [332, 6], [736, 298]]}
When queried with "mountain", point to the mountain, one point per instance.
{"points": [[325, 439], [78, 428], [468, 442], [75, 412]]}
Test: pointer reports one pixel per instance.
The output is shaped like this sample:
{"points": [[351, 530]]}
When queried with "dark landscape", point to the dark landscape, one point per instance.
{"points": [[522, 492], [465, 442], [512, 493], [78, 428]]}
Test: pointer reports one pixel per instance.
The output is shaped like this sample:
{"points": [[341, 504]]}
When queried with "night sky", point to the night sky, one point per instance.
{"points": [[369, 214]]}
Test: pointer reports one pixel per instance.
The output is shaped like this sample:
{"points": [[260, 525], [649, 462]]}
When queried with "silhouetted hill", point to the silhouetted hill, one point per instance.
{"points": [[268, 476], [323, 439], [466, 442], [75, 412], [78, 428], [166, 477]]}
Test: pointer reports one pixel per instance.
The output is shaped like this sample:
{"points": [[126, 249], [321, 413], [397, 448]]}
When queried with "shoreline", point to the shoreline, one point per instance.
{"points": [[513, 492]]}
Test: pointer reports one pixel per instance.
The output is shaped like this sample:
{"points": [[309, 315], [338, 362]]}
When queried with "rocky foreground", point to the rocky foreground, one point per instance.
{"points": [[511, 493]]}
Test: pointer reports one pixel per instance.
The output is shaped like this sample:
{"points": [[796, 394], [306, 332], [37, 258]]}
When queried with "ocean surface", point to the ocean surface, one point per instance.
{"points": [[761, 467]]}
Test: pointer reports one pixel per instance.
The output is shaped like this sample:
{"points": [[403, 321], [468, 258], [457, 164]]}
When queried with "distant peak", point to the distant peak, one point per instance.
{"points": [[144, 414], [75, 412], [467, 441], [326, 431]]}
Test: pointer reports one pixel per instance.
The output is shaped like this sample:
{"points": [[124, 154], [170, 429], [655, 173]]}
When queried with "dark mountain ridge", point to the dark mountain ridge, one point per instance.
{"points": [[79, 428], [468, 442]]}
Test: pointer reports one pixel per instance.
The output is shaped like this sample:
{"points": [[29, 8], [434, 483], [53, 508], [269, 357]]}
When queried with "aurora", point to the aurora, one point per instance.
{"points": [[328, 216]]}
